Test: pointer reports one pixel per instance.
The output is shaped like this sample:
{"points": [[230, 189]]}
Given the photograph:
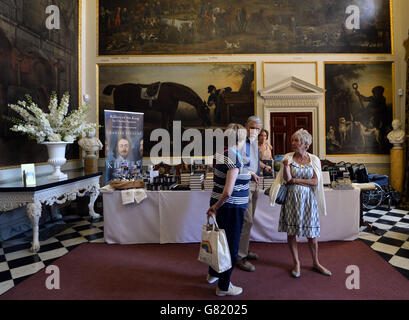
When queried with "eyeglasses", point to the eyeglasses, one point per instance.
{"points": [[255, 128]]}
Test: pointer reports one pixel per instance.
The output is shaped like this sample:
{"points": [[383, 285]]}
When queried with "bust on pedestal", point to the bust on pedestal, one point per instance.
{"points": [[397, 137], [91, 145]]}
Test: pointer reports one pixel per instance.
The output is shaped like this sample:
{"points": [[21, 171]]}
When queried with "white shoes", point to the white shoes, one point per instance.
{"points": [[210, 279], [233, 291], [295, 274]]}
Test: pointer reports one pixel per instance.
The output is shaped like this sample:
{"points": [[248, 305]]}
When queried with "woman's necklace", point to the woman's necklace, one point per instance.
{"points": [[302, 161]]}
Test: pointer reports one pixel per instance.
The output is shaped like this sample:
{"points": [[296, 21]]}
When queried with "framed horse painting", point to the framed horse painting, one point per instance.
{"points": [[145, 27], [37, 58], [359, 107], [199, 95]]}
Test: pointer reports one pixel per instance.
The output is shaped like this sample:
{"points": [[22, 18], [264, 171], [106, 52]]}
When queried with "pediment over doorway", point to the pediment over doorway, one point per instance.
{"points": [[291, 87]]}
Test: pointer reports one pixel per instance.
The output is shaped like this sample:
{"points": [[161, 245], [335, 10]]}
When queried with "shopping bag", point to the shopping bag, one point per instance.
{"points": [[214, 249], [281, 194]]}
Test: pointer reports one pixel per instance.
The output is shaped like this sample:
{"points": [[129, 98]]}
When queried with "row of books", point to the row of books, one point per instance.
{"points": [[185, 179], [196, 181], [208, 182], [266, 182], [202, 181]]}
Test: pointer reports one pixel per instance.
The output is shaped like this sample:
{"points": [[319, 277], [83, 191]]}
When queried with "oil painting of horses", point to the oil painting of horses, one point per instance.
{"points": [[146, 27], [28, 66], [358, 107], [199, 95], [130, 95]]}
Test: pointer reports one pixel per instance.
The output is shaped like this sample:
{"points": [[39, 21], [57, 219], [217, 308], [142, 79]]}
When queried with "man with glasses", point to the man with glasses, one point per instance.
{"points": [[251, 159]]}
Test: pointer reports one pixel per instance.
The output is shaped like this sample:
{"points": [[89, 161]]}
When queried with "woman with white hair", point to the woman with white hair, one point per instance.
{"points": [[305, 200]]}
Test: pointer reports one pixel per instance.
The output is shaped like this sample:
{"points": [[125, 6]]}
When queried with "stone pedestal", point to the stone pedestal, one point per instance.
{"points": [[90, 166], [397, 168]]}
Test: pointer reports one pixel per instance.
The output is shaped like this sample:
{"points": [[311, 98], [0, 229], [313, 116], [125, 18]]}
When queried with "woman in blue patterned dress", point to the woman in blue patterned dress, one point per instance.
{"points": [[304, 201]]}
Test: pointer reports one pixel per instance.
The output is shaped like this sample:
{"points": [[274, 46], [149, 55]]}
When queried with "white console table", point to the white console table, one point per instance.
{"points": [[14, 195]]}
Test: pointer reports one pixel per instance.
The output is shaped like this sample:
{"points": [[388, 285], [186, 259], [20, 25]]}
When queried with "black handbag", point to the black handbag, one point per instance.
{"points": [[282, 193], [361, 174], [351, 171]]}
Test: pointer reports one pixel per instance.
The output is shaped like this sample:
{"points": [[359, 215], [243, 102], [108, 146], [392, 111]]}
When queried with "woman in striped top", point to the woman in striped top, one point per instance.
{"points": [[228, 201]]}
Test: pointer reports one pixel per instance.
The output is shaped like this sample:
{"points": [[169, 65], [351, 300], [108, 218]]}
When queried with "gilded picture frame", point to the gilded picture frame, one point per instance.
{"points": [[168, 92], [359, 107], [186, 27]]}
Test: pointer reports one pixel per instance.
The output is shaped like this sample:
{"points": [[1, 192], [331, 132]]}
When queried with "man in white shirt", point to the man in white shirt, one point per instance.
{"points": [[251, 158]]}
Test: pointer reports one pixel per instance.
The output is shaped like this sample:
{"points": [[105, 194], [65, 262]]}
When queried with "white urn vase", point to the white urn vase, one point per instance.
{"points": [[56, 158]]}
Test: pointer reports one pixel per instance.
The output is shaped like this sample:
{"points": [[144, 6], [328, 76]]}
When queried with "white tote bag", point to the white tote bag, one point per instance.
{"points": [[214, 249]]}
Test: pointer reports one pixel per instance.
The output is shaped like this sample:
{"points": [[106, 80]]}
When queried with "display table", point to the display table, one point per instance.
{"points": [[178, 217], [13, 195]]}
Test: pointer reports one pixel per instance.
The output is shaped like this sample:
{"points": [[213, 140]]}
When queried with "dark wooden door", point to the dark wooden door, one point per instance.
{"points": [[283, 125]]}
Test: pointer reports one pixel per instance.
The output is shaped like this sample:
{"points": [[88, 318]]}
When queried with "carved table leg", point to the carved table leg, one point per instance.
{"points": [[93, 195], [34, 214]]}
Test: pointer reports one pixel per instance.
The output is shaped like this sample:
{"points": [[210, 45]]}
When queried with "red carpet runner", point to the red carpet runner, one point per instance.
{"points": [[172, 272]]}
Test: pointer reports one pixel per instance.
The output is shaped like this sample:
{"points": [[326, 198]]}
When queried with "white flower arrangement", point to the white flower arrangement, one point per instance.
{"points": [[54, 126]]}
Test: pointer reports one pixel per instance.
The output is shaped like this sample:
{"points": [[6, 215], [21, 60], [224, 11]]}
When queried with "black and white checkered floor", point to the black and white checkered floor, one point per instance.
{"points": [[17, 263], [391, 240]]}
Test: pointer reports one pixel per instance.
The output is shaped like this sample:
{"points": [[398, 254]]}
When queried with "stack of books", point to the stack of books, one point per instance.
{"points": [[267, 182], [196, 181], [261, 182], [185, 179], [208, 182]]}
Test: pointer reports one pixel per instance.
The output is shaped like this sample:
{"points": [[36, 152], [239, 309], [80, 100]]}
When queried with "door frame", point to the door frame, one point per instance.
{"points": [[315, 132]]}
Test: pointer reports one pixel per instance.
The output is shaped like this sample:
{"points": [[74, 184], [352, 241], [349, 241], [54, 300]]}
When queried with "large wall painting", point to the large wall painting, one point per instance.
{"points": [[37, 61], [145, 27], [200, 95], [359, 108]]}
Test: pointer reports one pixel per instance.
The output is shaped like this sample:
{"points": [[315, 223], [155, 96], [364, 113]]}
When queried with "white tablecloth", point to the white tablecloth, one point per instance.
{"points": [[178, 217]]}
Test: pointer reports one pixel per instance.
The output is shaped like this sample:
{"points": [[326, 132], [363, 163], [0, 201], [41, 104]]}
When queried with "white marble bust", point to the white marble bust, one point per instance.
{"points": [[397, 135], [90, 144]]}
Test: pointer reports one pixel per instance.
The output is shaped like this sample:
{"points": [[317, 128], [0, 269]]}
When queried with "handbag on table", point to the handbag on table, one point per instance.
{"points": [[361, 174], [214, 248]]}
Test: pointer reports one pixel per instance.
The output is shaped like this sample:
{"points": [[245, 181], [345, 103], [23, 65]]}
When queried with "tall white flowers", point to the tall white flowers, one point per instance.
{"points": [[54, 126]]}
